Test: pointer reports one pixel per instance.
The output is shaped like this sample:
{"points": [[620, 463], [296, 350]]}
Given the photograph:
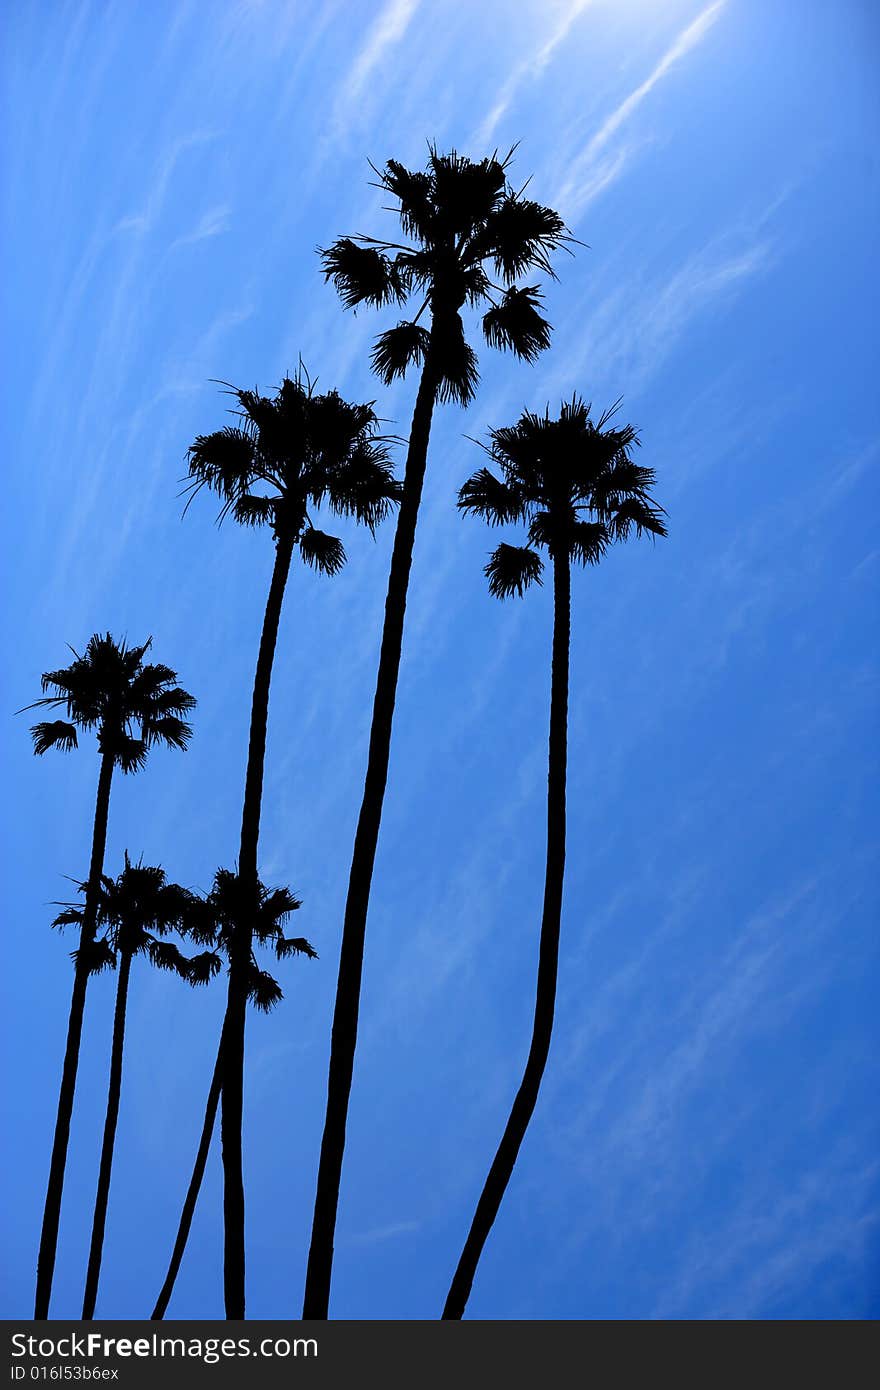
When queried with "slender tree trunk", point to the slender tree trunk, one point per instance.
{"points": [[232, 1042], [348, 987], [105, 1169], [52, 1208], [548, 957], [192, 1192]]}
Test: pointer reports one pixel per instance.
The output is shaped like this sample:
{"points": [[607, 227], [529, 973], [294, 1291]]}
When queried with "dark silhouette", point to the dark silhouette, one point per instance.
{"points": [[214, 926], [135, 911], [287, 455], [462, 219], [575, 483], [131, 707]]}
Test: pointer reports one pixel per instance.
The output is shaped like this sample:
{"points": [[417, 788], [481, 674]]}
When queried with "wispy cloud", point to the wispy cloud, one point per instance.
{"points": [[388, 30], [145, 219], [578, 193], [212, 223], [687, 39], [775, 1239], [529, 69], [578, 187], [635, 328], [382, 1233]]}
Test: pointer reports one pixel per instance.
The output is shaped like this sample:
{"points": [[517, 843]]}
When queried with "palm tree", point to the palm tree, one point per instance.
{"points": [[464, 223], [136, 911], [131, 707], [575, 482], [214, 926], [287, 455]]}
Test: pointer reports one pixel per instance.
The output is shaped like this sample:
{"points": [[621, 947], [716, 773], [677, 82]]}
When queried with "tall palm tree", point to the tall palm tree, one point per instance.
{"points": [[464, 223], [575, 483], [131, 707], [214, 926], [286, 456], [136, 911]]}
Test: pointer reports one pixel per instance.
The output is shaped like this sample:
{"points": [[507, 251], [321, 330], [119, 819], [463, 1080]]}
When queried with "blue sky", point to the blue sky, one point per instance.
{"points": [[706, 1144]]}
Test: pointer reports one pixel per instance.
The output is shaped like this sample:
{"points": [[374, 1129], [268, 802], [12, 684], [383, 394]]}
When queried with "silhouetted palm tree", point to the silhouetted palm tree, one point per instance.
{"points": [[575, 482], [288, 455], [214, 926], [131, 707], [464, 223], [134, 911]]}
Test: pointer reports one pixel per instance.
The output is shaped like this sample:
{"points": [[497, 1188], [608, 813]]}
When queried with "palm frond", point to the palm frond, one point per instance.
{"points": [[294, 946], [521, 235], [201, 969], [165, 956], [250, 510], [132, 657], [364, 486], [64, 682], [274, 907], [587, 541], [167, 729], [361, 274], [511, 569], [455, 359], [397, 349], [465, 192], [224, 461], [487, 496], [546, 530], [176, 907], [476, 284], [413, 189], [130, 754], [277, 904], [528, 453], [324, 553], [636, 514], [96, 956], [53, 733], [517, 325], [69, 917], [263, 990], [622, 478], [163, 702], [151, 682]]}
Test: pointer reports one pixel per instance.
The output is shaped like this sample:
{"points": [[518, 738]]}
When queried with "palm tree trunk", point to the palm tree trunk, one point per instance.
{"points": [[192, 1193], [232, 1041], [105, 1169], [548, 956], [348, 987], [52, 1208]]}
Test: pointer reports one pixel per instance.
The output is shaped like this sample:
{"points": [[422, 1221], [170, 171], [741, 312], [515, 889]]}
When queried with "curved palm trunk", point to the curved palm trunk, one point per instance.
{"points": [[232, 1038], [105, 1169], [548, 957], [55, 1187], [192, 1193], [348, 987]]}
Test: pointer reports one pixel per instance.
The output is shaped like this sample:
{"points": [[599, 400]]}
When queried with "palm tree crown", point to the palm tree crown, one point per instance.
{"points": [[132, 706], [136, 911], [294, 452], [217, 919], [465, 224], [573, 480]]}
